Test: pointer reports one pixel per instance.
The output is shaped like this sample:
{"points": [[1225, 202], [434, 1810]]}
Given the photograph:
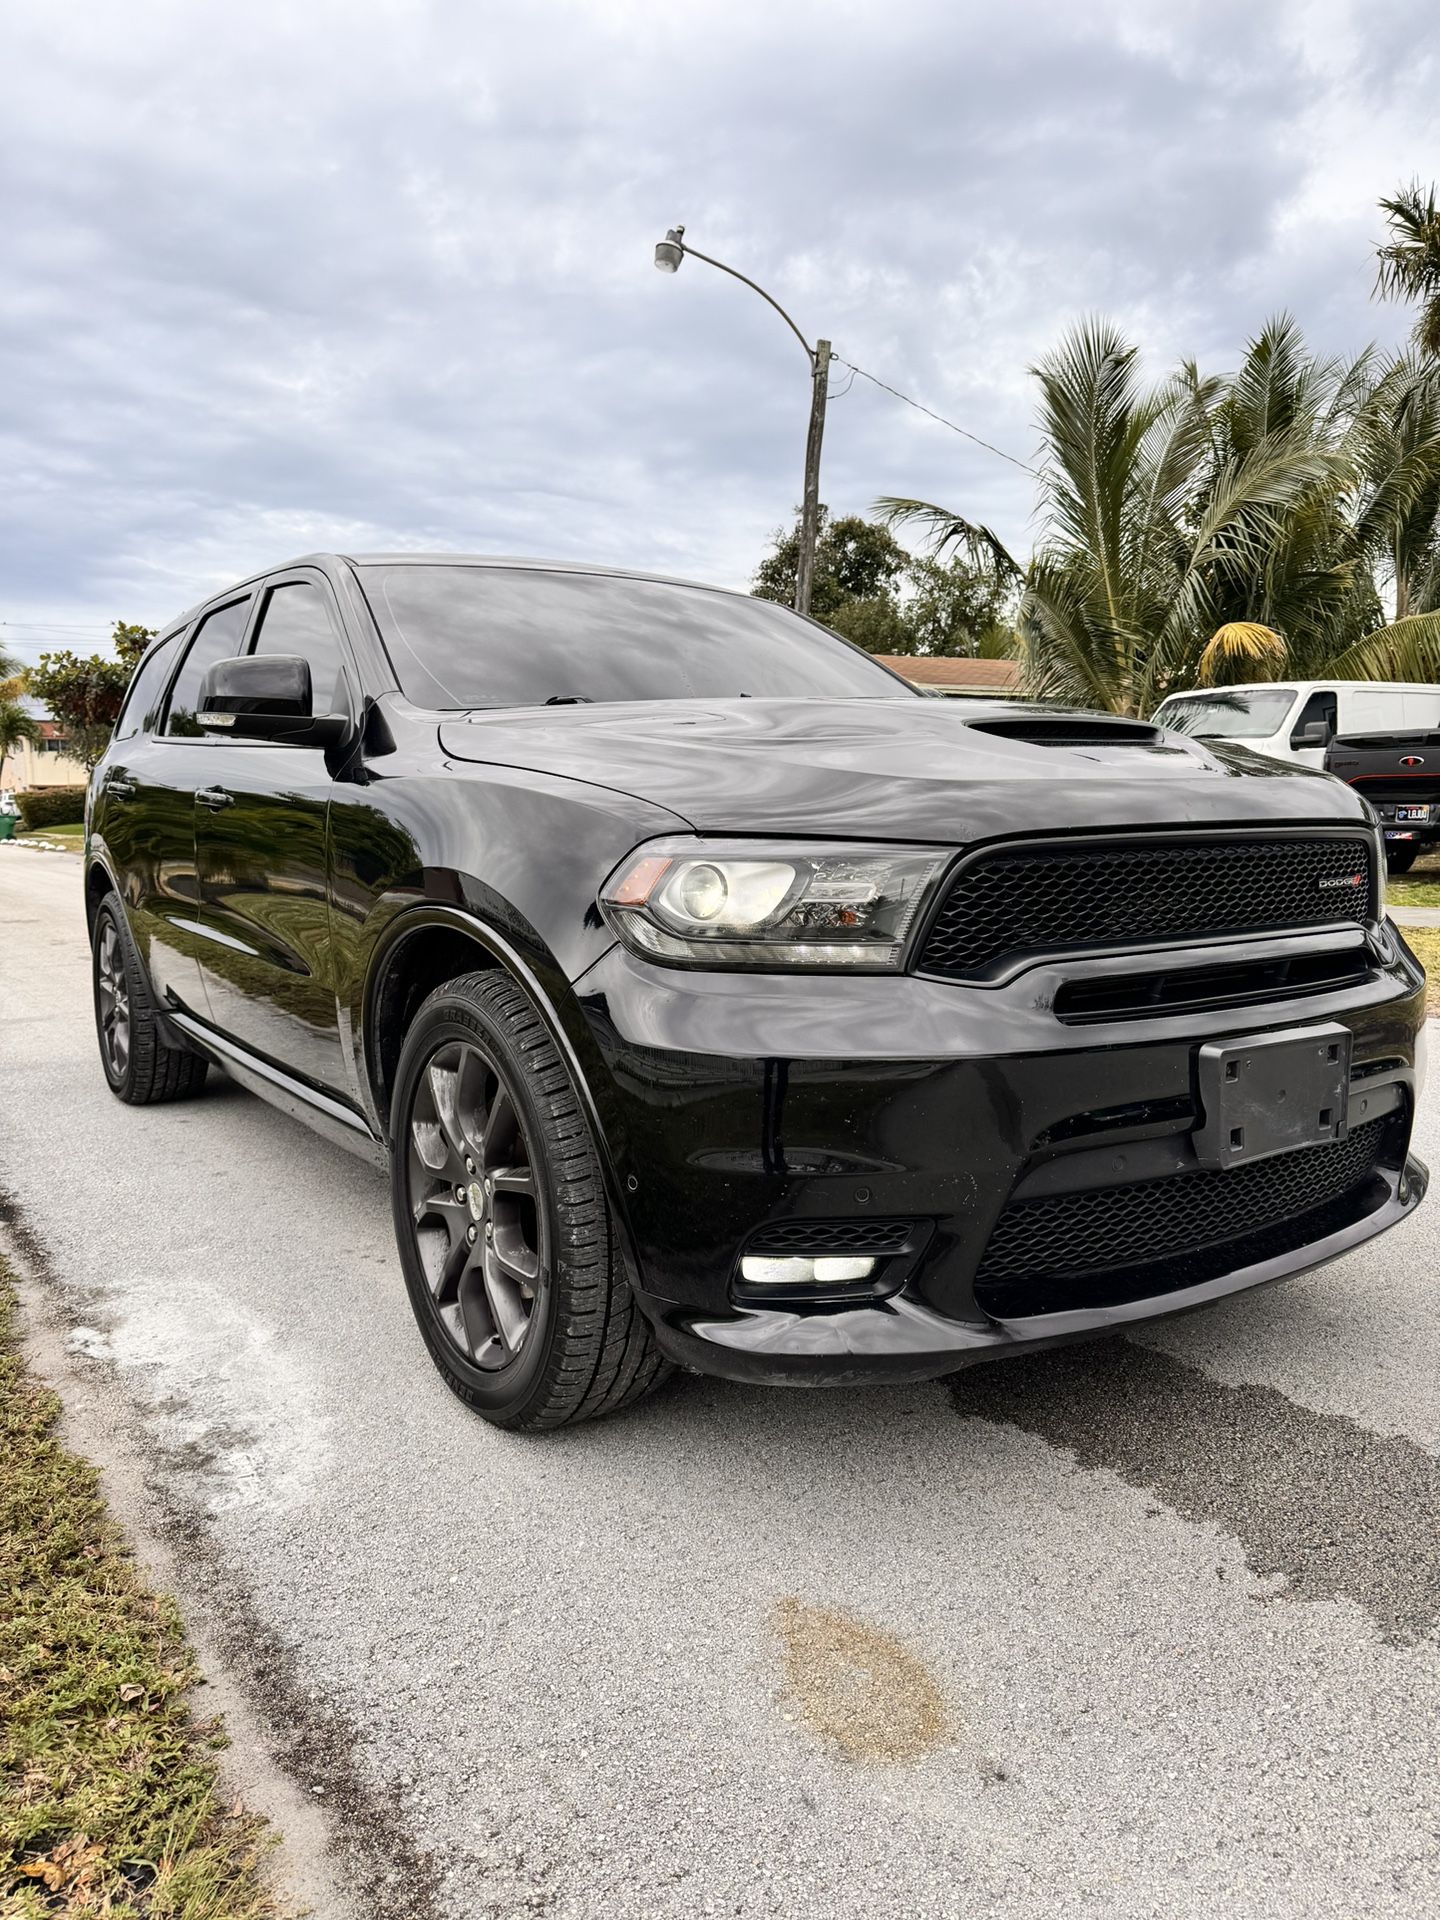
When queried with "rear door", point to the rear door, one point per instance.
{"points": [[261, 828], [145, 808]]}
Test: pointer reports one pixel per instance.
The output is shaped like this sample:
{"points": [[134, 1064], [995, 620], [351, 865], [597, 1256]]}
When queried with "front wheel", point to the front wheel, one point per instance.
{"points": [[505, 1234]]}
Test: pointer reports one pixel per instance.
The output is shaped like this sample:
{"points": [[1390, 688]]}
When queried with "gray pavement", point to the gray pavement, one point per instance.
{"points": [[1145, 1628], [1416, 916]]}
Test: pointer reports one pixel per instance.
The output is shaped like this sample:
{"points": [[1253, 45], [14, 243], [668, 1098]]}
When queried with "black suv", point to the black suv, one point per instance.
{"points": [[715, 998]]}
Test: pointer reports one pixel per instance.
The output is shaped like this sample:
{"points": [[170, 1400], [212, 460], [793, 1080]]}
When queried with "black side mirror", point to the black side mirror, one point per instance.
{"points": [[266, 696], [1315, 733]]}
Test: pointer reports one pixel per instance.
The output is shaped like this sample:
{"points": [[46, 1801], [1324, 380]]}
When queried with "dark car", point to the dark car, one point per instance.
{"points": [[715, 999]]}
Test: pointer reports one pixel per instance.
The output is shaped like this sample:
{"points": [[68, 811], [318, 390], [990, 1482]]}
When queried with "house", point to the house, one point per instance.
{"points": [[966, 679], [43, 762]]}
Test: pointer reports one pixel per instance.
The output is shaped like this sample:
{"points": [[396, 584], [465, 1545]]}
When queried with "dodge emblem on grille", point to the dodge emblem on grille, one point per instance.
{"points": [[1326, 881], [1412, 760]]}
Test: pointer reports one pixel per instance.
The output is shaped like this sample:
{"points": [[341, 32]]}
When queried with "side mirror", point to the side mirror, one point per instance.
{"points": [[1316, 733], [266, 696]]}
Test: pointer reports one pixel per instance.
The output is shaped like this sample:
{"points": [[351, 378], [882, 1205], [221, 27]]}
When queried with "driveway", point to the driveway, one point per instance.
{"points": [[1146, 1628]]}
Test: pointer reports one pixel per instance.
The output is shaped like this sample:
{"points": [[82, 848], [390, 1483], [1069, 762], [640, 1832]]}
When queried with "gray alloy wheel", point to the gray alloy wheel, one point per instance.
{"points": [[505, 1234], [141, 1066], [112, 1001], [479, 1219]]}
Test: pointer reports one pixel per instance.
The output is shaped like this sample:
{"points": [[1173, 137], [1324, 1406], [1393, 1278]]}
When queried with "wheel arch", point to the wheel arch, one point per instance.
{"points": [[430, 944]]}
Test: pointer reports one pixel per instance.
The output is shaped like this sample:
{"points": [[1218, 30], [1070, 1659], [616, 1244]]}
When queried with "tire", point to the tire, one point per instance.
{"points": [[1400, 859], [141, 1068], [506, 1238]]}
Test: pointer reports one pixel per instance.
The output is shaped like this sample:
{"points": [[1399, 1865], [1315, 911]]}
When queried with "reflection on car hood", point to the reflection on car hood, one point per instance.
{"points": [[914, 769]]}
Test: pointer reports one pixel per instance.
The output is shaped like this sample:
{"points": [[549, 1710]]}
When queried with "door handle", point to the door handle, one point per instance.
{"points": [[119, 788], [215, 798]]}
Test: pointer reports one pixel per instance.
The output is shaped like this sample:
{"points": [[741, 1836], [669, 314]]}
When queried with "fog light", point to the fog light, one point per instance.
{"points": [[765, 1270]]}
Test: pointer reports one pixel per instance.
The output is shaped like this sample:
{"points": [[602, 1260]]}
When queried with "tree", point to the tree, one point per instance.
{"points": [[1409, 262], [85, 695], [1216, 529], [854, 560], [15, 726], [875, 593]]}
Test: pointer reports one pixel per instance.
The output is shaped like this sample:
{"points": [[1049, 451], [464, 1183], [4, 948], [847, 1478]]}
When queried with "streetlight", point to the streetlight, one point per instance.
{"points": [[669, 252]]}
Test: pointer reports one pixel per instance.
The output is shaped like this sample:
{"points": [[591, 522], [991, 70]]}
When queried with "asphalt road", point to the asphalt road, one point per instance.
{"points": [[1145, 1628]]}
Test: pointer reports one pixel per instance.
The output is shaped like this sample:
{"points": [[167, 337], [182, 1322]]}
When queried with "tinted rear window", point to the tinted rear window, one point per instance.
{"points": [[512, 637]]}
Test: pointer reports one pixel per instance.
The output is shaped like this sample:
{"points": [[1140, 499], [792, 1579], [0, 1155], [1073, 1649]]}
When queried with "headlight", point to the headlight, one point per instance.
{"points": [[728, 903]]}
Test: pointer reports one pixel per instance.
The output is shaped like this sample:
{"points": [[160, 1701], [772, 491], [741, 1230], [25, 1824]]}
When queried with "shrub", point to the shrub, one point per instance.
{"points": [[51, 806]]}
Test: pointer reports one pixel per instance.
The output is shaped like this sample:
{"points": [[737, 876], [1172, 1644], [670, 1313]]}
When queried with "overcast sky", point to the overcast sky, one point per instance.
{"points": [[279, 277]]}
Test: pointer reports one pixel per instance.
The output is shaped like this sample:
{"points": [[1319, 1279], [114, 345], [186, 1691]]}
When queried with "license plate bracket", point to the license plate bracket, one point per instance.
{"points": [[1270, 1093], [1418, 816]]}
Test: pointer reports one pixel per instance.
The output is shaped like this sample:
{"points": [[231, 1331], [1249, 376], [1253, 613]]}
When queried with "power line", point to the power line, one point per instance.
{"points": [[965, 432]]}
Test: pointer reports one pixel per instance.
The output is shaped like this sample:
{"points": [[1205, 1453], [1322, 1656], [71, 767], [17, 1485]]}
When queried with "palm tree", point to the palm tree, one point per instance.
{"points": [[15, 726], [1409, 262], [1208, 530]]}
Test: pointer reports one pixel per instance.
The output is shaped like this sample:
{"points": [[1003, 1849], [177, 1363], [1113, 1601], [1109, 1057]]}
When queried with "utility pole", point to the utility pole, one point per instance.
{"points": [[810, 500], [669, 252]]}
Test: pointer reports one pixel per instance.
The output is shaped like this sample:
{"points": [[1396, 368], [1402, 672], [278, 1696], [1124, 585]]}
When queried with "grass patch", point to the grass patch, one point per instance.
{"points": [[109, 1801], [70, 836], [1424, 942], [1420, 887]]}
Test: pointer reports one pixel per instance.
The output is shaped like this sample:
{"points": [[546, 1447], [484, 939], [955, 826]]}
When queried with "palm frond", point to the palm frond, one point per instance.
{"points": [[1407, 649], [946, 530], [1244, 646]]}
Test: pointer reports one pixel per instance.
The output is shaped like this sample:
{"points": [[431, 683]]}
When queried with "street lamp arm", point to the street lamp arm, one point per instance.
{"points": [[735, 274]]}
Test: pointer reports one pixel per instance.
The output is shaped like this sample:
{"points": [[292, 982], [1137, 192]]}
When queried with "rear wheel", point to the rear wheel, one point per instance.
{"points": [[141, 1067], [505, 1234]]}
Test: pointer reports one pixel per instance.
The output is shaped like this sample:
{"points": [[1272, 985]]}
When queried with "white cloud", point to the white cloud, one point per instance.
{"points": [[280, 277]]}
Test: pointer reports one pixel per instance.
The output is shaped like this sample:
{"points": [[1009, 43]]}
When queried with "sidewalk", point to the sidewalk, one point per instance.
{"points": [[1415, 916]]}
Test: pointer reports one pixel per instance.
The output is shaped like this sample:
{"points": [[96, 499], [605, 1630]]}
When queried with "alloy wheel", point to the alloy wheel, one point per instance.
{"points": [[475, 1205], [112, 992]]}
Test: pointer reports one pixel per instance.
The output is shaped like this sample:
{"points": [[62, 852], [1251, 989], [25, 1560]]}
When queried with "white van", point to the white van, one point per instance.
{"points": [[1298, 721]]}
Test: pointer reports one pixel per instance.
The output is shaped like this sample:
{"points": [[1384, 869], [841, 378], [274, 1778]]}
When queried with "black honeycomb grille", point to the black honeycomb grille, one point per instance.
{"points": [[1017, 902], [1075, 1235], [833, 1236]]}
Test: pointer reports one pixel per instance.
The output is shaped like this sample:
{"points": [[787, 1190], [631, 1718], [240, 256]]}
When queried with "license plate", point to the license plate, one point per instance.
{"points": [[1416, 816], [1273, 1092]]}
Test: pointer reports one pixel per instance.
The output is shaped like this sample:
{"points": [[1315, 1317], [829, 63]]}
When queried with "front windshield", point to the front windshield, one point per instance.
{"points": [[1229, 713], [518, 637]]}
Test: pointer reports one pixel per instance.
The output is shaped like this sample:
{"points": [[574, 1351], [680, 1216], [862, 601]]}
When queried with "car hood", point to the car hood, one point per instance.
{"points": [[896, 769]]}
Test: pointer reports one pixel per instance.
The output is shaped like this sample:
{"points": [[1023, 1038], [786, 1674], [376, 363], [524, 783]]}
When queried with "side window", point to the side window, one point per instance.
{"points": [[216, 638], [296, 621], [145, 689], [1320, 706]]}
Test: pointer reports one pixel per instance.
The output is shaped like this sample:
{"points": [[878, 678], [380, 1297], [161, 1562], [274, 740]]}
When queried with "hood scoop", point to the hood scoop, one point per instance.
{"points": [[1070, 730]]}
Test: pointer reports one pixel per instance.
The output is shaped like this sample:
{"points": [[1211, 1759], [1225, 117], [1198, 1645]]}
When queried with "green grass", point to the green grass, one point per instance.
{"points": [[71, 836], [1424, 942], [1418, 888], [109, 1798]]}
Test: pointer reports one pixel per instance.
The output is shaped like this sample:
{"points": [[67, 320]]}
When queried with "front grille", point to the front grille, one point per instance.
{"points": [[1107, 1244], [1018, 902], [833, 1236]]}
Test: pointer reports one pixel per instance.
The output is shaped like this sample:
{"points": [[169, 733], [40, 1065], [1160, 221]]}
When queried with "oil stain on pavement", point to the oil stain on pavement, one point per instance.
{"points": [[867, 1696], [1335, 1510]]}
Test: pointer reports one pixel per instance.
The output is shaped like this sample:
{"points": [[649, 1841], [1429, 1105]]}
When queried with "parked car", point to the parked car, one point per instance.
{"points": [[1399, 774], [713, 998], [1297, 722]]}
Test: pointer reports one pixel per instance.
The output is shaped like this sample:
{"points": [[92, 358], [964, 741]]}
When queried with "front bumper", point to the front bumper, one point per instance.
{"points": [[734, 1105]]}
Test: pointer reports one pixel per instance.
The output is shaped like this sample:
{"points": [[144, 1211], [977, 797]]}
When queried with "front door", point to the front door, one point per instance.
{"points": [[260, 834]]}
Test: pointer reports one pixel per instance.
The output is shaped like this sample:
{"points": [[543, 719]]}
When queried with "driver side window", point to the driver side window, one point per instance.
{"points": [[1320, 706]]}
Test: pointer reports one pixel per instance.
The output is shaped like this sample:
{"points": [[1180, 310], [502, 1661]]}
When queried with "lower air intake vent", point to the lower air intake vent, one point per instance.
{"points": [[833, 1237], [1074, 1249]]}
